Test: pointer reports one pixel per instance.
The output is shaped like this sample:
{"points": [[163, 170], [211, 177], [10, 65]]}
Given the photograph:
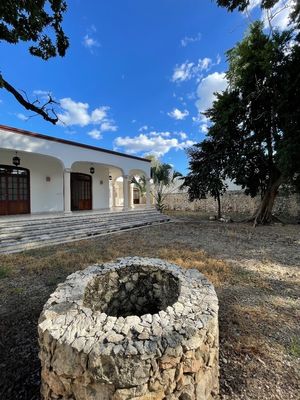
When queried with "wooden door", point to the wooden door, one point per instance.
{"points": [[14, 190], [81, 191]]}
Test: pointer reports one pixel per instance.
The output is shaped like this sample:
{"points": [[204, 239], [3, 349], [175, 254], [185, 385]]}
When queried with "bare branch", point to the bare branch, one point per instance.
{"points": [[27, 104]]}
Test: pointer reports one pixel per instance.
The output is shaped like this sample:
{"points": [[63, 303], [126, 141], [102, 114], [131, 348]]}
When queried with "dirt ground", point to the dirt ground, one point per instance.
{"points": [[255, 272]]}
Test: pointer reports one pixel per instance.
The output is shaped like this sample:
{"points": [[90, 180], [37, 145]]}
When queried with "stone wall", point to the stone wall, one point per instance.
{"points": [[235, 202], [92, 347]]}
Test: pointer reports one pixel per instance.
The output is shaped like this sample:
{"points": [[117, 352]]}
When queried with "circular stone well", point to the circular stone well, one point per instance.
{"points": [[138, 328]]}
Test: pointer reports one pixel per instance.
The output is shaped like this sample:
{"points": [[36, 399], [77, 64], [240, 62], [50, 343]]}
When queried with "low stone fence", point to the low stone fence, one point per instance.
{"points": [[235, 202]]}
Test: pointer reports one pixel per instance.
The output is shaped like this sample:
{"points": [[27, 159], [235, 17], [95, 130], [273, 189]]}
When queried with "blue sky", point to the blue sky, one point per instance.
{"points": [[136, 77]]}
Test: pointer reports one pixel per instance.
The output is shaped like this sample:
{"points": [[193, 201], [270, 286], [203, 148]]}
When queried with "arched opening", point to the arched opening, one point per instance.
{"points": [[138, 189], [14, 190]]}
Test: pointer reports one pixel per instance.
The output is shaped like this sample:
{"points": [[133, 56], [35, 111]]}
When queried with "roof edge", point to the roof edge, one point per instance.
{"points": [[69, 142]]}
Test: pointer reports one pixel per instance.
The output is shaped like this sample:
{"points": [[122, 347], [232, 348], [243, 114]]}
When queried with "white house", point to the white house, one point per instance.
{"points": [[41, 174]]}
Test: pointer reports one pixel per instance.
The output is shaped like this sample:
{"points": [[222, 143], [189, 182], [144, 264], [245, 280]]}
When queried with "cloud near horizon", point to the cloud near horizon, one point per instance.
{"points": [[156, 143]]}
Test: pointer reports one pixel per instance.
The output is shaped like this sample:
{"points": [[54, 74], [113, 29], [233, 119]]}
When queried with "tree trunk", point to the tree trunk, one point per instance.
{"points": [[263, 214], [219, 205]]}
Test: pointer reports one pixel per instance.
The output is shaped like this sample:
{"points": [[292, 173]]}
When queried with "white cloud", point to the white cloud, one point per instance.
{"points": [[22, 117], [177, 114], [44, 94], [90, 43], [190, 39], [183, 72], [204, 128], [189, 70], [253, 4], [143, 128], [99, 114], [95, 134], [108, 126], [77, 113], [215, 82], [163, 134], [278, 16], [211, 84], [155, 144], [183, 135]]}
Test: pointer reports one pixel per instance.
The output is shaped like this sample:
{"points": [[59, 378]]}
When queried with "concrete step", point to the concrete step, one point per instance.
{"points": [[62, 230], [19, 231], [35, 237], [8, 224]]}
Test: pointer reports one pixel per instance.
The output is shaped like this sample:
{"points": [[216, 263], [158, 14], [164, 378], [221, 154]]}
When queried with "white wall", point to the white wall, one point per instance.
{"points": [[69, 154], [44, 196]]}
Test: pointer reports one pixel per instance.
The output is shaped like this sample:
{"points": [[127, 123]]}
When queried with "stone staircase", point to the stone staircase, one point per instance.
{"points": [[19, 234]]}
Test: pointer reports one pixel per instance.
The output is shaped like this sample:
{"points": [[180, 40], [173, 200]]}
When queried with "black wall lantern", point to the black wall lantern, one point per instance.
{"points": [[92, 170], [16, 160]]}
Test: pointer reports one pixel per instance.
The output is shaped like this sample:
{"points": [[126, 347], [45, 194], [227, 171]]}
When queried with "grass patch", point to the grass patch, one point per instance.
{"points": [[295, 347], [5, 272]]}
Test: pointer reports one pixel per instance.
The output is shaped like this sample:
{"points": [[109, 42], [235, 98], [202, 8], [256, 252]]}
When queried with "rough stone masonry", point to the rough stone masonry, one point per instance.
{"points": [[138, 328]]}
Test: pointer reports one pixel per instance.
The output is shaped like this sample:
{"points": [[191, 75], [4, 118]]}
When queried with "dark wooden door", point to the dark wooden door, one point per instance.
{"points": [[14, 190], [81, 191]]}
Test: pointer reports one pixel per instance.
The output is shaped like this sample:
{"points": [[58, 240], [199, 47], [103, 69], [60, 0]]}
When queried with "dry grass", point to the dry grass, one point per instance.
{"points": [[255, 273]]}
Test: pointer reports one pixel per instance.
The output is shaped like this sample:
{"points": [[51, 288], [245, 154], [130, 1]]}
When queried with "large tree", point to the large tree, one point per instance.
{"points": [[256, 121], [206, 176], [38, 23]]}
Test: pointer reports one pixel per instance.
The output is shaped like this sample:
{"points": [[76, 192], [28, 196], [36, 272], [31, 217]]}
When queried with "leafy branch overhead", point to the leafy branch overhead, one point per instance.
{"points": [[40, 23]]}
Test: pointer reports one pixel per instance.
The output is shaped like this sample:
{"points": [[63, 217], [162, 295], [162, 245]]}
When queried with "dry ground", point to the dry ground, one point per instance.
{"points": [[255, 272]]}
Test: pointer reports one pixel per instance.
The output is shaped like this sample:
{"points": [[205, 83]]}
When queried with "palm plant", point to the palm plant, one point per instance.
{"points": [[163, 177]]}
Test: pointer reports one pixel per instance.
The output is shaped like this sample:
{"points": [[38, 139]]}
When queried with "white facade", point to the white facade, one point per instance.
{"points": [[53, 162]]}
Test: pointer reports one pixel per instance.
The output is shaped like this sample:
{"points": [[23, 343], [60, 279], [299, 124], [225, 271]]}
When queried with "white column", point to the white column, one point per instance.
{"points": [[125, 192], [67, 190], [131, 186], [114, 193], [148, 198]]}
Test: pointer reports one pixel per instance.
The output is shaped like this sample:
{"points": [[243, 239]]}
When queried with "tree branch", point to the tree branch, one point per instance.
{"points": [[30, 106]]}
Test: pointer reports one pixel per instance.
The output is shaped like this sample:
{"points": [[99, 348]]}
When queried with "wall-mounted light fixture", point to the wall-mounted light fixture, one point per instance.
{"points": [[92, 170], [16, 160]]}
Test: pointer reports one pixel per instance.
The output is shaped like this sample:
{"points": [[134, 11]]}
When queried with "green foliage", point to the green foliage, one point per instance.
{"points": [[163, 177], [256, 120], [34, 21], [295, 347], [207, 172], [140, 183], [4, 272]]}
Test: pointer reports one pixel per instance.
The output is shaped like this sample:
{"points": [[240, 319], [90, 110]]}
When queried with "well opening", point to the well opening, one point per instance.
{"points": [[132, 290]]}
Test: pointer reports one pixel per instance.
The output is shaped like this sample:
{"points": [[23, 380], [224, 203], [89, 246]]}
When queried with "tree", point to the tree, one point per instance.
{"points": [[206, 173], [255, 122], [267, 5], [163, 177], [39, 23]]}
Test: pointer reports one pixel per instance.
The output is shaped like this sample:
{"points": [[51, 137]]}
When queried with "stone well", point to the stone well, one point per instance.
{"points": [[139, 328]]}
